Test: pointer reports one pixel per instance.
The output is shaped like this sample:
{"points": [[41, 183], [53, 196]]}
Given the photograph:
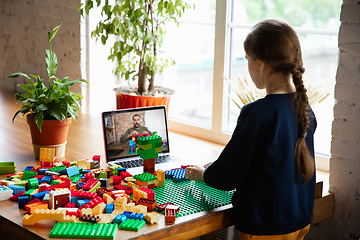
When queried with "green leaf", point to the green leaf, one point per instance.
{"points": [[79, 7], [38, 117], [58, 113], [26, 88], [41, 107], [88, 6], [103, 39], [17, 74], [72, 111], [51, 63], [52, 33]]}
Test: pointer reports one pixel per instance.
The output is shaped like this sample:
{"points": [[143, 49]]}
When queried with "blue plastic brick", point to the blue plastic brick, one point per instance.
{"points": [[121, 170], [119, 219], [72, 171], [133, 215], [28, 168], [84, 230], [42, 171], [109, 208], [79, 203], [17, 189], [22, 201], [138, 216], [79, 185], [177, 175], [40, 195], [132, 224], [127, 214]]}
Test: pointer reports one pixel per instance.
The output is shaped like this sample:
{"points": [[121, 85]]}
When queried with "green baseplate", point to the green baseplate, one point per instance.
{"points": [[83, 230], [191, 196]]}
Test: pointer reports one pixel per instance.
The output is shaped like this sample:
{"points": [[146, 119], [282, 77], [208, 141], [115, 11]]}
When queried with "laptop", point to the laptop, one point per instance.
{"points": [[118, 131]]}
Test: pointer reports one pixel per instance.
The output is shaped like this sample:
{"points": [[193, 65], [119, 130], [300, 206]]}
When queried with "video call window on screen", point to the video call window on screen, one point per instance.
{"points": [[119, 127]]}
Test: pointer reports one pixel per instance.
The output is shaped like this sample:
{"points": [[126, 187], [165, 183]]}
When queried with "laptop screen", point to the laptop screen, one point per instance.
{"points": [[121, 126]]}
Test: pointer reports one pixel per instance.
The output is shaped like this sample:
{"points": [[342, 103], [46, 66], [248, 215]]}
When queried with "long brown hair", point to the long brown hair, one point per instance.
{"points": [[275, 42]]}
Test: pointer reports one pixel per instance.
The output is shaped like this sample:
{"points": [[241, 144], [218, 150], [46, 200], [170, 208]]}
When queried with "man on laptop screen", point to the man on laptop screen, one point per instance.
{"points": [[136, 130], [121, 126]]}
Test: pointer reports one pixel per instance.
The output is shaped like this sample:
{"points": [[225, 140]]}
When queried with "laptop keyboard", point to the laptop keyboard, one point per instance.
{"points": [[139, 162]]}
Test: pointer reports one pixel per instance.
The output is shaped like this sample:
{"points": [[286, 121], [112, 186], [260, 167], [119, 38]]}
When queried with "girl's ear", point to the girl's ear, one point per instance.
{"points": [[261, 66]]}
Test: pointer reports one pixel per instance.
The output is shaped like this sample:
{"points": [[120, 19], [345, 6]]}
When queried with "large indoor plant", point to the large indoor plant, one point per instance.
{"points": [[49, 110], [140, 27]]}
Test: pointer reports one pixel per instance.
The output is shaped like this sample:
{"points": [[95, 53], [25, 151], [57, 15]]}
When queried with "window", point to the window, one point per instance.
{"points": [[208, 46]]}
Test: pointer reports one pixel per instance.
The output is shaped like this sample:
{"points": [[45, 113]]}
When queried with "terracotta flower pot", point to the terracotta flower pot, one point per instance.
{"points": [[53, 134], [124, 101]]}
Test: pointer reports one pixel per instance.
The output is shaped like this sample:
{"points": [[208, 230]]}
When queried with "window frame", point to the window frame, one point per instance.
{"points": [[216, 133]]}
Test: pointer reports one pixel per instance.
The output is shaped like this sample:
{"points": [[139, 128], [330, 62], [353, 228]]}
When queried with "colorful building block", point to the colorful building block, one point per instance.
{"points": [[90, 184], [99, 208], [177, 175], [40, 214], [28, 174], [127, 190], [104, 182], [132, 224], [72, 171], [145, 177], [84, 230], [59, 198], [130, 207], [17, 189], [5, 193], [140, 209], [169, 215], [150, 204], [23, 200], [7, 167], [109, 208], [33, 183], [35, 204], [192, 196], [89, 218], [152, 217], [120, 203], [47, 155], [119, 219]]}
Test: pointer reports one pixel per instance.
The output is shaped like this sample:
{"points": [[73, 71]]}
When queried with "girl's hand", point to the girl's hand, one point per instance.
{"points": [[208, 164], [195, 173]]}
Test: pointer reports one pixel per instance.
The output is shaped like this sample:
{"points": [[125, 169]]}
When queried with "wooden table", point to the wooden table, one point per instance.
{"points": [[85, 140]]}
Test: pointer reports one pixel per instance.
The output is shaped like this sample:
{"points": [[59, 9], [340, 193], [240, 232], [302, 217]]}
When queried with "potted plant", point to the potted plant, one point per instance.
{"points": [[49, 110], [140, 27]]}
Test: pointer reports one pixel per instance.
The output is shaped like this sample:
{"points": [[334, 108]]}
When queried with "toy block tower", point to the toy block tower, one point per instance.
{"points": [[148, 148]]}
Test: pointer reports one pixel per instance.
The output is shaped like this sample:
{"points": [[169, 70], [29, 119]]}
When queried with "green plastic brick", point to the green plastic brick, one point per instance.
{"points": [[75, 178], [132, 224], [7, 167], [58, 168], [28, 174], [145, 177], [83, 230], [192, 196], [33, 183], [54, 182]]}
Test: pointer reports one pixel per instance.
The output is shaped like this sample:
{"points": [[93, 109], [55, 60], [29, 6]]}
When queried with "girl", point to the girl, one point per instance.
{"points": [[270, 157]]}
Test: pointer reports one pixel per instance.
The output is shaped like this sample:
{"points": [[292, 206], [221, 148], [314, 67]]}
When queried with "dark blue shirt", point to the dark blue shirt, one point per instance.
{"points": [[259, 163]]}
